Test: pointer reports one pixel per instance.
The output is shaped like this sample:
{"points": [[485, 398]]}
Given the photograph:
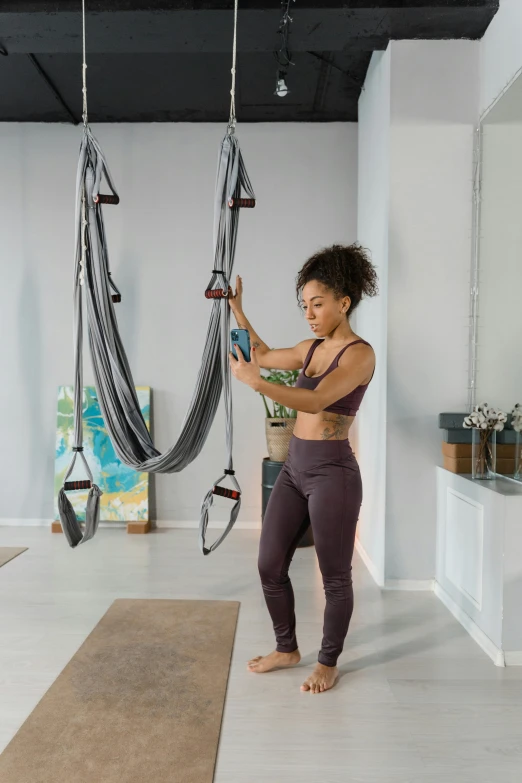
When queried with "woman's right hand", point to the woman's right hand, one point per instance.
{"points": [[236, 300]]}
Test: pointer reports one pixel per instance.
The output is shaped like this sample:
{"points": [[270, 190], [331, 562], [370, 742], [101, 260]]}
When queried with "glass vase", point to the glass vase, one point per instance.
{"points": [[518, 457], [484, 454]]}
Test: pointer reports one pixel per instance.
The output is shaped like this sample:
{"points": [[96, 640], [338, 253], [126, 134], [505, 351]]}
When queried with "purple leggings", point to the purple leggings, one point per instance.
{"points": [[323, 478]]}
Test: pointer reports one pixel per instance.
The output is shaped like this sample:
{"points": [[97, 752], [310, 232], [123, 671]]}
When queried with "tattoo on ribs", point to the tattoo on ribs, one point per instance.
{"points": [[336, 429]]}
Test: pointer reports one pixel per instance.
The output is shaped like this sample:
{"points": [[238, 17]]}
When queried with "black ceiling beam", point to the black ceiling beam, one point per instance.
{"points": [[318, 27], [183, 31], [58, 6], [329, 59], [52, 87]]}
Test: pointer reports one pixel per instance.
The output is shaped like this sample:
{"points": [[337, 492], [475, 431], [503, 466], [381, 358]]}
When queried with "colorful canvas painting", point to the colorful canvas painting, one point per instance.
{"points": [[125, 492]]}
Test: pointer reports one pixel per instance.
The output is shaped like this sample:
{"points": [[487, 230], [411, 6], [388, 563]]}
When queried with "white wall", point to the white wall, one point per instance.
{"points": [[160, 238], [434, 105], [416, 121], [371, 315], [500, 52]]}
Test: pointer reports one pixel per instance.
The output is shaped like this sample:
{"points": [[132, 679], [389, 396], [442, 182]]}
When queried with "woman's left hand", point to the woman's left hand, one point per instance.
{"points": [[246, 372]]}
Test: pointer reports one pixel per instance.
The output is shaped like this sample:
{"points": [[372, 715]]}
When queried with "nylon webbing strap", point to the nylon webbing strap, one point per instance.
{"points": [[113, 378]]}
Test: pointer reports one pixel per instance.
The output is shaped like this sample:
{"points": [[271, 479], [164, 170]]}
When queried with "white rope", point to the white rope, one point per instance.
{"points": [[84, 245], [84, 69], [232, 120]]}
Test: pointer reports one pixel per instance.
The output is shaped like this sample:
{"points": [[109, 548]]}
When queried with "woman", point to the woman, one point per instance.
{"points": [[321, 475]]}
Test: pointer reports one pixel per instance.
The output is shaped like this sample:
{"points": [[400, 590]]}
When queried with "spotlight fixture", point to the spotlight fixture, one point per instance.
{"points": [[283, 55], [281, 87]]}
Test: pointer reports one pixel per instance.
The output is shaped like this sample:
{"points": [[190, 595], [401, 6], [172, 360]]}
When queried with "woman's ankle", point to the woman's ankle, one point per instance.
{"points": [[329, 664]]}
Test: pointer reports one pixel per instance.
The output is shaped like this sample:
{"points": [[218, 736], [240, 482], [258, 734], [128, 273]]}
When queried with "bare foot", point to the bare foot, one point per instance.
{"points": [[322, 679], [276, 660]]}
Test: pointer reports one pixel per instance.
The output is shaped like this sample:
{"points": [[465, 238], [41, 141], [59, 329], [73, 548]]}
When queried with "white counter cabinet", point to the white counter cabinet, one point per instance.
{"points": [[479, 560]]}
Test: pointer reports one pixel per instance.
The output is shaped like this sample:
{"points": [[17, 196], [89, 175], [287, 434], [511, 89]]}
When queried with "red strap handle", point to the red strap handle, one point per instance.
{"points": [[217, 293], [71, 485], [241, 203], [100, 199], [226, 493]]}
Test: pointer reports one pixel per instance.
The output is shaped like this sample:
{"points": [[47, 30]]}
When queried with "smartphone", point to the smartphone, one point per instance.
{"points": [[242, 338]]}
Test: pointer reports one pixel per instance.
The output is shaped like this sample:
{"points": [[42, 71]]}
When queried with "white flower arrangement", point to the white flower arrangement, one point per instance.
{"points": [[516, 417], [485, 420]]}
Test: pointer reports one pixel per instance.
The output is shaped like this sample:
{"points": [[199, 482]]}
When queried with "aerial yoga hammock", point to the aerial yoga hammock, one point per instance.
{"points": [[113, 378]]}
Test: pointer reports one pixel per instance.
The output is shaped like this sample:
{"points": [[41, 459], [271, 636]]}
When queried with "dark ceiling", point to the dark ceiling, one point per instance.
{"points": [[169, 60]]}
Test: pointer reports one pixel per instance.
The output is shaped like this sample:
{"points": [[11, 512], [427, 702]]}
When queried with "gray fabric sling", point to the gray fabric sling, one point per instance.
{"points": [[113, 378]]}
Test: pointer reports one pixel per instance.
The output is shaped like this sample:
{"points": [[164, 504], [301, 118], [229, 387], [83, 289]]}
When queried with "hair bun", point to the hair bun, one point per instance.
{"points": [[346, 269]]}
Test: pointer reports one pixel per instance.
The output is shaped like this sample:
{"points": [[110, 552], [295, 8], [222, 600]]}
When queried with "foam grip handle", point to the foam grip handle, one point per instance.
{"points": [[100, 199], [216, 293], [77, 485], [116, 298], [242, 203], [226, 493]]}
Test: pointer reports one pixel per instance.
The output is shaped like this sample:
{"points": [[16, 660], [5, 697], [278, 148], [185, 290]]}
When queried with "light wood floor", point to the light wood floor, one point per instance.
{"points": [[418, 701]]}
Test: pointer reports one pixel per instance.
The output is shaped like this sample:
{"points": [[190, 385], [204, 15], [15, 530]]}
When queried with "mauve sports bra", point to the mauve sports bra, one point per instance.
{"points": [[346, 406]]}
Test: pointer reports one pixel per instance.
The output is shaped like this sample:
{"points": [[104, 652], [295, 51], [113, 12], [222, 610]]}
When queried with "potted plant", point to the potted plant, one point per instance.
{"points": [[280, 421], [484, 423]]}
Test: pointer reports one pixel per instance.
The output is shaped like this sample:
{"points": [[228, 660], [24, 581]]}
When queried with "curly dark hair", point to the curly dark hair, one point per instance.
{"points": [[345, 269]]}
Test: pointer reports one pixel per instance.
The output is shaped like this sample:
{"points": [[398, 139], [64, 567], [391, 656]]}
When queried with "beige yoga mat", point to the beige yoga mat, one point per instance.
{"points": [[8, 553], [140, 702]]}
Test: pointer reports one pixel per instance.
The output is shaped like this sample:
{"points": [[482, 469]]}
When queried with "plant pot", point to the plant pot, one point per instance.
{"points": [[278, 435], [484, 454]]}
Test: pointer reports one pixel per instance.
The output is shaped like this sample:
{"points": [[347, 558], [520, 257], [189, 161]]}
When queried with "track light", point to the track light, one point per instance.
{"points": [[281, 87], [283, 54]]}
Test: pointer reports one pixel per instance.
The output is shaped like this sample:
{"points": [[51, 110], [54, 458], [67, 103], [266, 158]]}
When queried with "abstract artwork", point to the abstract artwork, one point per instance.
{"points": [[125, 492]]}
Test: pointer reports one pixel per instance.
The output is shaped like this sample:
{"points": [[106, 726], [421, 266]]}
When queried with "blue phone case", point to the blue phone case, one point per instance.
{"points": [[242, 338]]}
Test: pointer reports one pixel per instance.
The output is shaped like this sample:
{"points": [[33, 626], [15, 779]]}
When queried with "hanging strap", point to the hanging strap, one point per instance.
{"points": [[115, 386], [232, 118], [231, 180], [84, 71], [68, 518], [207, 505], [70, 524], [218, 276]]}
